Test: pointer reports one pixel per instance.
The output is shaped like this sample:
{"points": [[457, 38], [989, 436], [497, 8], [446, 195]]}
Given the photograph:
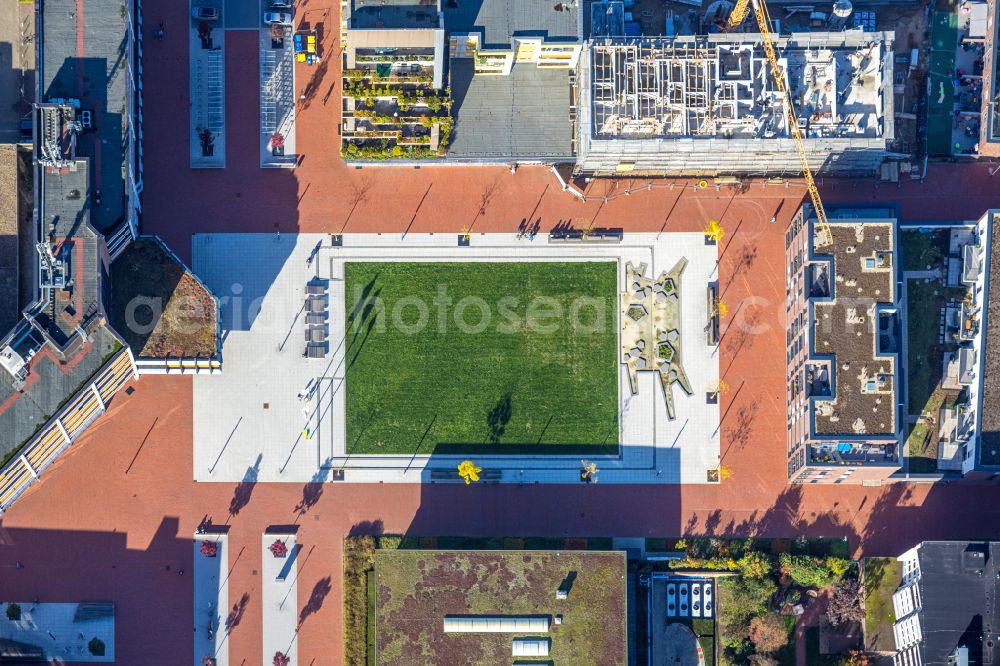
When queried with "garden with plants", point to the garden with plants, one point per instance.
{"points": [[396, 116], [766, 587]]}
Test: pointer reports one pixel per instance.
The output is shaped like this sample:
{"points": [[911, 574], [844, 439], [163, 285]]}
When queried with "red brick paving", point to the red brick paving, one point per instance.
{"points": [[91, 531]]}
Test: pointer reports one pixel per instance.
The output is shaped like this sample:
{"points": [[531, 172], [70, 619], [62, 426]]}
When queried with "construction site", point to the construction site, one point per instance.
{"points": [[708, 105]]}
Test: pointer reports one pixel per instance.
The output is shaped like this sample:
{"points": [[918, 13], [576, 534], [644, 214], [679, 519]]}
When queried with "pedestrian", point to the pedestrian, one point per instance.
{"points": [[161, 29], [774, 218]]}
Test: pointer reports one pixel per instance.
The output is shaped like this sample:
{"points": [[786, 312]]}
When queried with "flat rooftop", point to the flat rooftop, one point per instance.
{"points": [[846, 327], [98, 81], [393, 14], [689, 87], [48, 385], [10, 272], [416, 589], [523, 115], [991, 378], [65, 224], [499, 21], [959, 582]]}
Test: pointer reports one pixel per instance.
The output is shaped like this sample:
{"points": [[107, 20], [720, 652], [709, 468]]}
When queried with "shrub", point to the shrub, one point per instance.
{"points": [[806, 571], [209, 548], [278, 548], [389, 541], [359, 557], [13, 612], [837, 566], [754, 565], [280, 659], [96, 647], [768, 633]]}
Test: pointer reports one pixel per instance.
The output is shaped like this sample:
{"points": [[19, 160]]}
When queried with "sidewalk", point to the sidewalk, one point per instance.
{"points": [[280, 582]]}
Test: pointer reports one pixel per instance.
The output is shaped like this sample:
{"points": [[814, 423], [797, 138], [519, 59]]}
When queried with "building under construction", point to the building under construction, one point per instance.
{"points": [[708, 105]]}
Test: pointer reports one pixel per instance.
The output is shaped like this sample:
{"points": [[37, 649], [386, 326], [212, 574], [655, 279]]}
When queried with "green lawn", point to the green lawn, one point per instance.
{"points": [[882, 577], [924, 248], [524, 379]]}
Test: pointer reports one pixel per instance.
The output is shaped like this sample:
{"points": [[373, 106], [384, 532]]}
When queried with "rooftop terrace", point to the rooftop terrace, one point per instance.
{"points": [[848, 326]]}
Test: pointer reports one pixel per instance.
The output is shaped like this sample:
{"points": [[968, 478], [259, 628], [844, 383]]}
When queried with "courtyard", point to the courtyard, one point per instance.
{"points": [[392, 359]]}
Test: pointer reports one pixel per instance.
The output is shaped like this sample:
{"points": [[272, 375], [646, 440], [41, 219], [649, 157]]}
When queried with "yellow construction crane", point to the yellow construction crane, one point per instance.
{"points": [[736, 17]]}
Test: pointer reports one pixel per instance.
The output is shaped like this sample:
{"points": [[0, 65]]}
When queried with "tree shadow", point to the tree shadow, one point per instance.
{"points": [[322, 588], [244, 489], [739, 435], [498, 418], [312, 491], [367, 527], [236, 613]]}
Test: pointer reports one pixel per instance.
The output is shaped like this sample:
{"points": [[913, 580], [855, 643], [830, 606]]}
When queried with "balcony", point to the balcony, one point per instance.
{"points": [[818, 279], [853, 453]]}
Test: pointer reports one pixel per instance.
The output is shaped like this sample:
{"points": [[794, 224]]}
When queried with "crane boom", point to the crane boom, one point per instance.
{"points": [[737, 15], [764, 25]]}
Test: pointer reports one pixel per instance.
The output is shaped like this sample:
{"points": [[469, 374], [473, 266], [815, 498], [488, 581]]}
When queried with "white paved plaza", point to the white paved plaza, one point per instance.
{"points": [[275, 414]]}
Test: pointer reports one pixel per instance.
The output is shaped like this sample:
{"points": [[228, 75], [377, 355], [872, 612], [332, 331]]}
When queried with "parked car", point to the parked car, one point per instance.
{"points": [[205, 13], [277, 18], [281, 4]]}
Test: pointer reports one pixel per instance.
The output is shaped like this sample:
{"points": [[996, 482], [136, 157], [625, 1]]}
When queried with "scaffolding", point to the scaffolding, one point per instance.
{"points": [[708, 105], [662, 88]]}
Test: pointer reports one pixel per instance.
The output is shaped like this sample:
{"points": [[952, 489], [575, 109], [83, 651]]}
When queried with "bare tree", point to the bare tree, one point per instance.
{"points": [[768, 633], [845, 603]]}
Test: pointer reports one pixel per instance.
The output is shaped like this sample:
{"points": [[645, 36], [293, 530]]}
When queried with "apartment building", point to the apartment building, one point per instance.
{"points": [[945, 607], [843, 334]]}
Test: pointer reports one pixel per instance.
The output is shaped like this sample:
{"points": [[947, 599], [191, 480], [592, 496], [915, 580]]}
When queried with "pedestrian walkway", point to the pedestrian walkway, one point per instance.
{"points": [[211, 598], [280, 555]]}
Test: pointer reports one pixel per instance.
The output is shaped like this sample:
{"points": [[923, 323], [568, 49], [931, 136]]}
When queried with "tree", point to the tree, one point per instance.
{"points": [[837, 566], [768, 633], [855, 658], [96, 647], [807, 571], [468, 471], [280, 659], [13, 612], [845, 603], [745, 599], [762, 660], [754, 565], [714, 231]]}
